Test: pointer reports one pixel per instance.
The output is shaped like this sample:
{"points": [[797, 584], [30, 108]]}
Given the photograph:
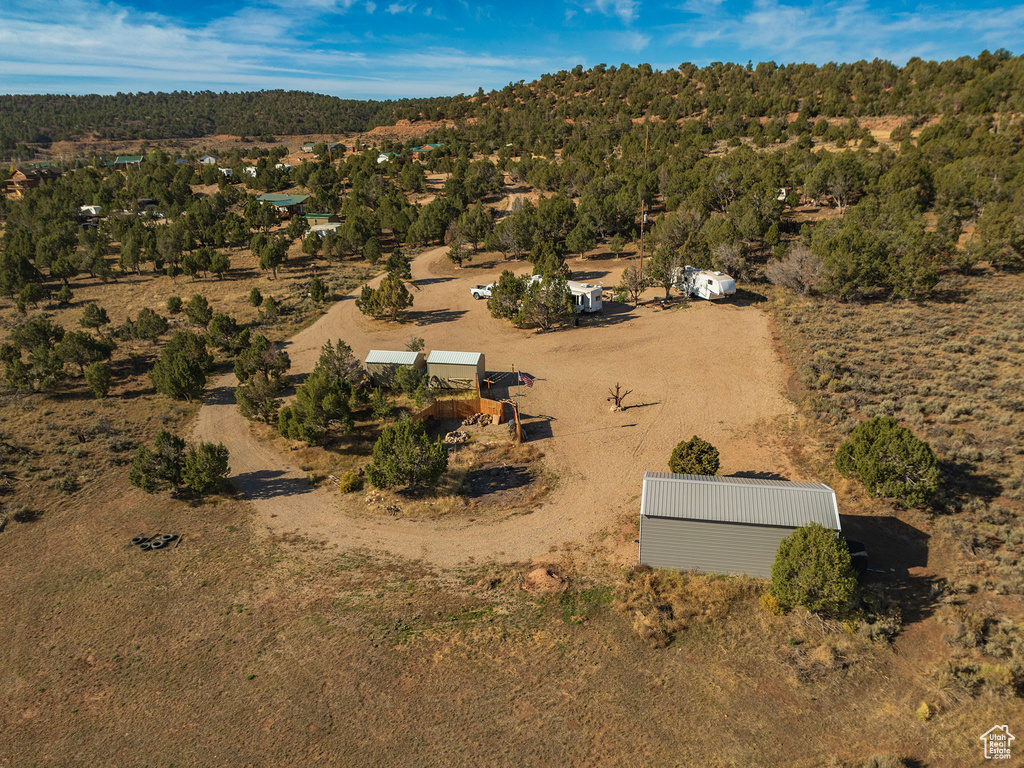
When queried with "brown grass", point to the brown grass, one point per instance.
{"points": [[240, 648]]}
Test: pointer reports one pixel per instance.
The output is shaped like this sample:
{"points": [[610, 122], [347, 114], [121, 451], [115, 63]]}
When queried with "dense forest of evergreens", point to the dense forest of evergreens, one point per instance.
{"points": [[43, 119], [711, 184], [723, 93]]}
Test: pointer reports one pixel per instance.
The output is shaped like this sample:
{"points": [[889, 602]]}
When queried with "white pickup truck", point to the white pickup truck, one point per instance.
{"points": [[481, 291]]}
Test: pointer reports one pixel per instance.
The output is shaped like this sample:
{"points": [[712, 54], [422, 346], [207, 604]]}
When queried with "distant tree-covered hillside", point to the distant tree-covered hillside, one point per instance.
{"points": [[992, 82], [719, 93], [42, 119]]}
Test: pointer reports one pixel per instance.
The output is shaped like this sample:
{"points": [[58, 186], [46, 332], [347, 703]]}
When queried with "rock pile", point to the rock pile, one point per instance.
{"points": [[483, 419], [456, 437]]}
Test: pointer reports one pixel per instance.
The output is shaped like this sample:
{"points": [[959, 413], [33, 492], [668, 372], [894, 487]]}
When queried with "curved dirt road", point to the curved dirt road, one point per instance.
{"points": [[706, 369]]}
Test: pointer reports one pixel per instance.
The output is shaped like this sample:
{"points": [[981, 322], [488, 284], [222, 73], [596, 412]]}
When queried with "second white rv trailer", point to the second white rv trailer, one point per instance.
{"points": [[704, 283], [585, 297]]}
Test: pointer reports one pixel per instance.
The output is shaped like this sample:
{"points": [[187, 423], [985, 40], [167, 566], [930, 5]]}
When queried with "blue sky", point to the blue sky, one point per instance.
{"points": [[394, 48]]}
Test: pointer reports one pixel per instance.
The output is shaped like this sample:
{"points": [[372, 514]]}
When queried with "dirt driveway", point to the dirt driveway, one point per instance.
{"points": [[707, 369]]}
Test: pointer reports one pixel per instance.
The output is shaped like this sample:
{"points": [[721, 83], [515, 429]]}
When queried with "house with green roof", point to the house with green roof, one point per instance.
{"points": [[285, 203], [425, 149], [125, 160]]}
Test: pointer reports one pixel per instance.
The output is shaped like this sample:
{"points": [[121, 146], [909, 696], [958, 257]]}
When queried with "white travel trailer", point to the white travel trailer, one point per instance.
{"points": [[585, 297], [704, 283]]}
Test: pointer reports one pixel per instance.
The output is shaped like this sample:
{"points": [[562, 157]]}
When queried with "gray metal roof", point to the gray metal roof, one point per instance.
{"points": [[392, 358], [454, 358], [738, 500]]}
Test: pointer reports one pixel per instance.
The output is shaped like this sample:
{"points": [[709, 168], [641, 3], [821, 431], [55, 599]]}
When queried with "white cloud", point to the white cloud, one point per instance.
{"points": [[371, 7], [91, 47], [626, 10], [840, 31], [632, 41], [399, 8], [449, 58]]}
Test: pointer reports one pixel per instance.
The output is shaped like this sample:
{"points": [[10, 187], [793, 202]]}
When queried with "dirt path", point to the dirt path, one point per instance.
{"points": [[707, 370]]}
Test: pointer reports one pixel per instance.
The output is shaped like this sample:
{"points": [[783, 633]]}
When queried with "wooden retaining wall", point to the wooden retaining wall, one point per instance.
{"points": [[464, 408]]}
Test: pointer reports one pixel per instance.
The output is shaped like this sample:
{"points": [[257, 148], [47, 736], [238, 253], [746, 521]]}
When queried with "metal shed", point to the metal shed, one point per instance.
{"points": [[382, 365], [456, 370], [726, 524]]}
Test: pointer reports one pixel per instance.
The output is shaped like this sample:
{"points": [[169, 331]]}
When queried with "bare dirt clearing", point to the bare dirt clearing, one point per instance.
{"points": [[703, 369]]}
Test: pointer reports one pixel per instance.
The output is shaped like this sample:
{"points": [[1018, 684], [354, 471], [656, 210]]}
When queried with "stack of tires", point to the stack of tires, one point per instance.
{"points": [[159, 541]]}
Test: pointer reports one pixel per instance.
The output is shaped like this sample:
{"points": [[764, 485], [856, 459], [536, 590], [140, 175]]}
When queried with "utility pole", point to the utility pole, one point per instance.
{"points": [[643, 215]]}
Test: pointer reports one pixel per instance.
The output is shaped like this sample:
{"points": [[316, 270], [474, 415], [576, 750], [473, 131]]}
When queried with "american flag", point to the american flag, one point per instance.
{"points": [[524, 379]]}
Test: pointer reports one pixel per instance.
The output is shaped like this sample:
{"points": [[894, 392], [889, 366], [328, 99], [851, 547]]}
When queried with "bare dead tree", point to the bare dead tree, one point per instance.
{"points": [[617, 397], [633, 283]]}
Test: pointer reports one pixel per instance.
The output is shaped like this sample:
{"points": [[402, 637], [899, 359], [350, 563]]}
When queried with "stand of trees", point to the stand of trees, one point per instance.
{"points": [[173, 464], [526, 301], [324, 401]]}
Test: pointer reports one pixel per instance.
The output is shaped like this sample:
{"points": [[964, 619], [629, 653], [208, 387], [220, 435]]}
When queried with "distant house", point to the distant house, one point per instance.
{"points": [[385, 157], [425, 149], [289, 204], [308, 146], [322, 230], [226, 171], [26, 179], [249, 170], [726, 524], [208, 160], [336, 148], [321, 218], [91, 210], [283, 167], [125, 160]]}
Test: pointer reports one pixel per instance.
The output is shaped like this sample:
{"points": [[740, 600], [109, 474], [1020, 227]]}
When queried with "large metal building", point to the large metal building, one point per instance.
{"points": [[456, 370], [382, 365], [726, 524]]}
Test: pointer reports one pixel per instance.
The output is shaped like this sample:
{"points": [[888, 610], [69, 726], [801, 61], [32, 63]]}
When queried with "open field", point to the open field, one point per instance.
{"points": [[289, 639], [294, 625]]}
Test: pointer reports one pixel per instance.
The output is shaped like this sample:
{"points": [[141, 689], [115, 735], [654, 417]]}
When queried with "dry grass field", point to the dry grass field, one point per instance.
{"points": [[295, 626], [949, 369]]}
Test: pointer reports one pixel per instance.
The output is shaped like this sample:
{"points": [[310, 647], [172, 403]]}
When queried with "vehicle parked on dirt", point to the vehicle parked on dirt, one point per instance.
{"points": [[586, 297], [704, 283], [481, 291]]}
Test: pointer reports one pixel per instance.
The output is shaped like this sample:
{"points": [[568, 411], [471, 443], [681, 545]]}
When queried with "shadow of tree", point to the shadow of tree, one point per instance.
{"points": [[593, 274], [434, 316], [894, 547], [961, 480], [219, 396], [744, 297], [269, 484], [753, 475], [481, 482], [612, 313], [27, 515]]}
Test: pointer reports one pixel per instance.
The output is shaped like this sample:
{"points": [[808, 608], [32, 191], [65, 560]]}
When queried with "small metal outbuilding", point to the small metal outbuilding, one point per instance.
{"points": [[456, 370], [726, 524], [382, 365]]}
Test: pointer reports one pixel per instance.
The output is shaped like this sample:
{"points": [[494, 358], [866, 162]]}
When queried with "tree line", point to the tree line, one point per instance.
{"points": [[42, 119]]}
